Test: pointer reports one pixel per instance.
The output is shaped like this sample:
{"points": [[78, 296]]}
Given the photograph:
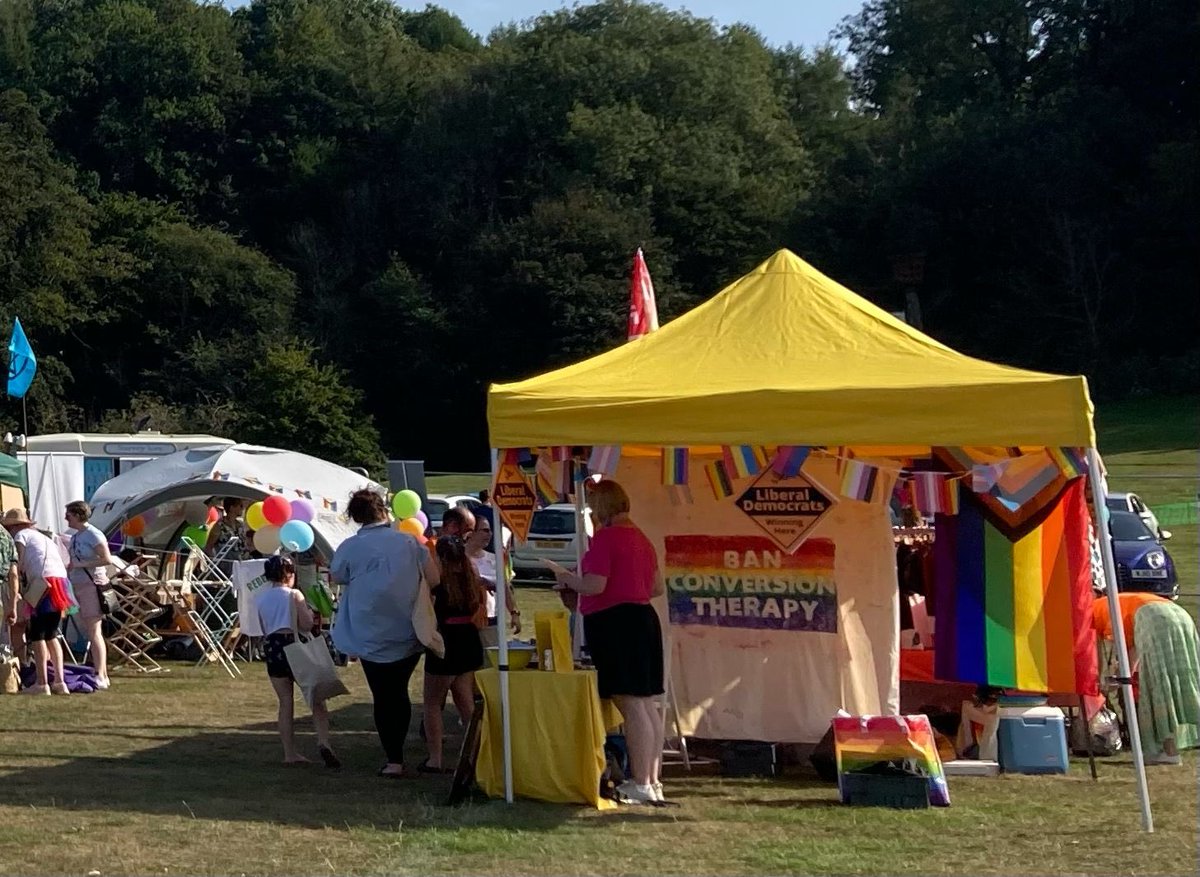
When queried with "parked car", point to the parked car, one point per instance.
{"points": [[437, 504], [552, 535], [1131, 502], [1143, 564]]}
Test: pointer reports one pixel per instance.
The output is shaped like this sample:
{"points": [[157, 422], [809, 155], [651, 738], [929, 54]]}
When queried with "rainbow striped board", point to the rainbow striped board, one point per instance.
{"points": [[862, 741]]}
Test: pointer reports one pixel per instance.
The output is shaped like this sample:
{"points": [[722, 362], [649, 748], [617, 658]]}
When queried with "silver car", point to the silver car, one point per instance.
{"points": [[552, 536]]}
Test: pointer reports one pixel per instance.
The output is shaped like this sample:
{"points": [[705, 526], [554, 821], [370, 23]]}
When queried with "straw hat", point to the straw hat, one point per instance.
{"points": [[13, 517]]}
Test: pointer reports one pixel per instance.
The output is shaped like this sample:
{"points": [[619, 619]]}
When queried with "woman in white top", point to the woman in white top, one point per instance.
{"points": [[479, 539], [88, 571], [44, 598], [281, 610]]}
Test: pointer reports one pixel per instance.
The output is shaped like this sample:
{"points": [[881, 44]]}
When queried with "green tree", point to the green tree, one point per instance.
{"points": [[304, 405]]}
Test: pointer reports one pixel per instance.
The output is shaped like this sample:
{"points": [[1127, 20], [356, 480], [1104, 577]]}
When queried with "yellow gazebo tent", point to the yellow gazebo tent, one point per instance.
{"points": [[785, 355]]}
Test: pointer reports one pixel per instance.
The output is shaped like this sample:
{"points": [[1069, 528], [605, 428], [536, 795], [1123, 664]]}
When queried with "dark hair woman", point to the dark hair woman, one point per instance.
{"points": [[380, 571], [281, 610], [459, 603]]}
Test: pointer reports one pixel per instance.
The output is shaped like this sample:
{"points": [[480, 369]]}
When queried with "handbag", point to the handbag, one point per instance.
{"points": [[312, 667], [107, 597], [424, 620]]}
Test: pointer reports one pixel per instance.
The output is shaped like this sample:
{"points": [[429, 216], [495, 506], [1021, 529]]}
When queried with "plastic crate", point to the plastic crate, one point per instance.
{"points": [[877, 790]]}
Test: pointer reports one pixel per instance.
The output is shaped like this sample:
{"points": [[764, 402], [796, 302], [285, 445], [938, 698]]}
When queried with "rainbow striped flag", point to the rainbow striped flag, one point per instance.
{"points": [[1016, 614], [743, 461], [789, 459], [674, 466], [559, 453], [1070, 461], [545, 488], [604, 459], [934, 493], [718, 479]]}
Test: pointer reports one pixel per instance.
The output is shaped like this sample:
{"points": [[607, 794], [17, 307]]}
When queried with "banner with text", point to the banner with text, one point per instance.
{"points": [[747, 581]]}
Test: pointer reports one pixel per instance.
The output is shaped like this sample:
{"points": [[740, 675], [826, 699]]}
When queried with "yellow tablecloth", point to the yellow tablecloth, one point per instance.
{"points": [[558, 728]]}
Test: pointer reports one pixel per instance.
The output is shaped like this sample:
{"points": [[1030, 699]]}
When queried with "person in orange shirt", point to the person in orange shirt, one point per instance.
{"points": [[1162, 642]]}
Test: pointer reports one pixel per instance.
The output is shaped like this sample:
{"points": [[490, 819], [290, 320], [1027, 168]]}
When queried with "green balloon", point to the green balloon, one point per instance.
{"points": [[405, 504]]}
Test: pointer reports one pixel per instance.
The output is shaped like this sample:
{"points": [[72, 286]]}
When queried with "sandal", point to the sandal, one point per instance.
{"points": [[425, 767], [401, 774]]}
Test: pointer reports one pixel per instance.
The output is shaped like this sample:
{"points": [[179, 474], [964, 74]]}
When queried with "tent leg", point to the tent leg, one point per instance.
{"points": [[1087, 735], [580, 550], [502, 634], [1099, 506]]}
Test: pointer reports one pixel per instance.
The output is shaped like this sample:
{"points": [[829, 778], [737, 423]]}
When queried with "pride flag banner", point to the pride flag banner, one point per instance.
{"points": [[674, 466], [604, 459], [934, 493], [865, 482], [718, 479], [743, 461], [1070, 461], [789, 459], [1016, 614], [861, 742]]}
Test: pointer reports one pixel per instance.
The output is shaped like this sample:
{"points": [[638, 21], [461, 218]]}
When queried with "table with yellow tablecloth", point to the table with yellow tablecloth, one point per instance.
{"points": [[558, 729]]}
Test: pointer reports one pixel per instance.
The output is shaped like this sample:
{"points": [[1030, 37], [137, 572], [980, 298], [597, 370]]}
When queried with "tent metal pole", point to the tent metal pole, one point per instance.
{"points": [[580, 549], [502, 634], [1100, 507]]}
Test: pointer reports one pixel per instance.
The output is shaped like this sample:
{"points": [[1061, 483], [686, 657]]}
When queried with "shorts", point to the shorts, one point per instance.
{"points": [[625, 642], [88, 598], [43, 627], [274, 656]]}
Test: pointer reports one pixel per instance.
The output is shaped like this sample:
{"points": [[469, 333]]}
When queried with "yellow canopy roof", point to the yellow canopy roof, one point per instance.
{"points": [[786, 355]]}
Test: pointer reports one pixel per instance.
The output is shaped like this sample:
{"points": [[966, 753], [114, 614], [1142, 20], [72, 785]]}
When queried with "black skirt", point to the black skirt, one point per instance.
{"points": [[274, 656], [464, 651], [625, 642]]}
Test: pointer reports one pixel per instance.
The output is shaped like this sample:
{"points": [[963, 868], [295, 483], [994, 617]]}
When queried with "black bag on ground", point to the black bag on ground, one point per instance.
{"points": [[824, 759]]}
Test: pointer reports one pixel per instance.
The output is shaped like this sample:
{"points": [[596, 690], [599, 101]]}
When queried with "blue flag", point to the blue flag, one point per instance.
{"points": [[22, 364]]}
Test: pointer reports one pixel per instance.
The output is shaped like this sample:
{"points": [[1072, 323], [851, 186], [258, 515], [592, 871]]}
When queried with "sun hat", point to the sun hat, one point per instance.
{"points": [[13, 517]]}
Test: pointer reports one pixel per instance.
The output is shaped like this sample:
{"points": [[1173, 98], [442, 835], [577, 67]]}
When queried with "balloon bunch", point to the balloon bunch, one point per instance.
{"points": [[278, 523], [406, 506]]}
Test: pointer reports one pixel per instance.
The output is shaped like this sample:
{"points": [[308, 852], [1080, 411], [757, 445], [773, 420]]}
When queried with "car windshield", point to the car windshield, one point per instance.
{"points": [[1126, 527], [436, 508], [553, 522], [1115, 502]]}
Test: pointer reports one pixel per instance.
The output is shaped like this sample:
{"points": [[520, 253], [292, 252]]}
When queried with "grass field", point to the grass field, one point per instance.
{"points": [[178, 774]]}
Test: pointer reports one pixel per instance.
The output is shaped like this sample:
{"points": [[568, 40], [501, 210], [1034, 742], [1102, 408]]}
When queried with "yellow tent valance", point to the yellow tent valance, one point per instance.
{"points": [[785, 355]]}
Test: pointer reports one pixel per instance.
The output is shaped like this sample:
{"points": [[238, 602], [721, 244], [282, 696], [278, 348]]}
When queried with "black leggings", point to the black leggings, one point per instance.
{"points": [[393, 709]]}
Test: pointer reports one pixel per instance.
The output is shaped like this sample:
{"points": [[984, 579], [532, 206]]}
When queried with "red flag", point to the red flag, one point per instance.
{"points": [[643, 312]]}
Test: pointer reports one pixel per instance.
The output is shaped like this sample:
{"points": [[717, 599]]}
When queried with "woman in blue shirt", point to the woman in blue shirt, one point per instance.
{"points": [[380, 571]]}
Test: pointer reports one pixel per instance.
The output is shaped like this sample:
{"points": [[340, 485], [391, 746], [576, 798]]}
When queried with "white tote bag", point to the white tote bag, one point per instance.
{"points": [[312, 667], [424, 621]]}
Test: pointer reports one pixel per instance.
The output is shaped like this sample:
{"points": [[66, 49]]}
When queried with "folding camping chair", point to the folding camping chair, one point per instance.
{"points": [[135, 607], [212, 624]]}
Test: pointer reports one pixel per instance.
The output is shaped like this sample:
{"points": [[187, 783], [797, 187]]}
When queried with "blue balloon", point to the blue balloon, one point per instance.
{"points": [[296, 536]]}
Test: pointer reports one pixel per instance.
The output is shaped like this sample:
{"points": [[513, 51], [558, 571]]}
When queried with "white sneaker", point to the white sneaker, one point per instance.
{"points": [[630, 792], [36, 689], [60, 688], [658, 792], [103, 684]]}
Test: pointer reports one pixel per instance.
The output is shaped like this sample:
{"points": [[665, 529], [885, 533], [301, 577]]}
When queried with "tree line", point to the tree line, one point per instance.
{"points": [[330, 224]]}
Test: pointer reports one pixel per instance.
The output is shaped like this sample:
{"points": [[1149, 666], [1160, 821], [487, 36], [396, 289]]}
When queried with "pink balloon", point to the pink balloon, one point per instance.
{"points": [[303, 510], [423, 518]]}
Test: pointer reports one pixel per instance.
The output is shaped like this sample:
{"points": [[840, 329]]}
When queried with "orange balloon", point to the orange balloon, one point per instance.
{"points": [[411, 526], [134, 527]]}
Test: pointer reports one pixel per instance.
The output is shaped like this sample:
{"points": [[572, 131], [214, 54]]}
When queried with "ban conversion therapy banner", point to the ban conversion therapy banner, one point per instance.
{"points": [[747, 581]]}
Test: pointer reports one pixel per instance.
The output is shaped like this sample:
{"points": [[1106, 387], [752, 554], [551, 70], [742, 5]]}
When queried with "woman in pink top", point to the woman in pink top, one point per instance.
{"points": [[619, 576]]}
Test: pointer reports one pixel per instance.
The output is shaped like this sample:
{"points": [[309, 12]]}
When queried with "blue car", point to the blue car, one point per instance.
{"points": [[1143, 564]]}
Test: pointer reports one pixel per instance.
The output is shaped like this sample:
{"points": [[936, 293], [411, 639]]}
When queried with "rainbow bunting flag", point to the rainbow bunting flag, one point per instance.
{"points": [[546, 490], [604, 459], [984, 477], [934, 493], [718, 479], [674, 466], [743, 461], [842, 455], [789, 459], [1016, 614], [1070, 461], [559, 453], [864, 482]]}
